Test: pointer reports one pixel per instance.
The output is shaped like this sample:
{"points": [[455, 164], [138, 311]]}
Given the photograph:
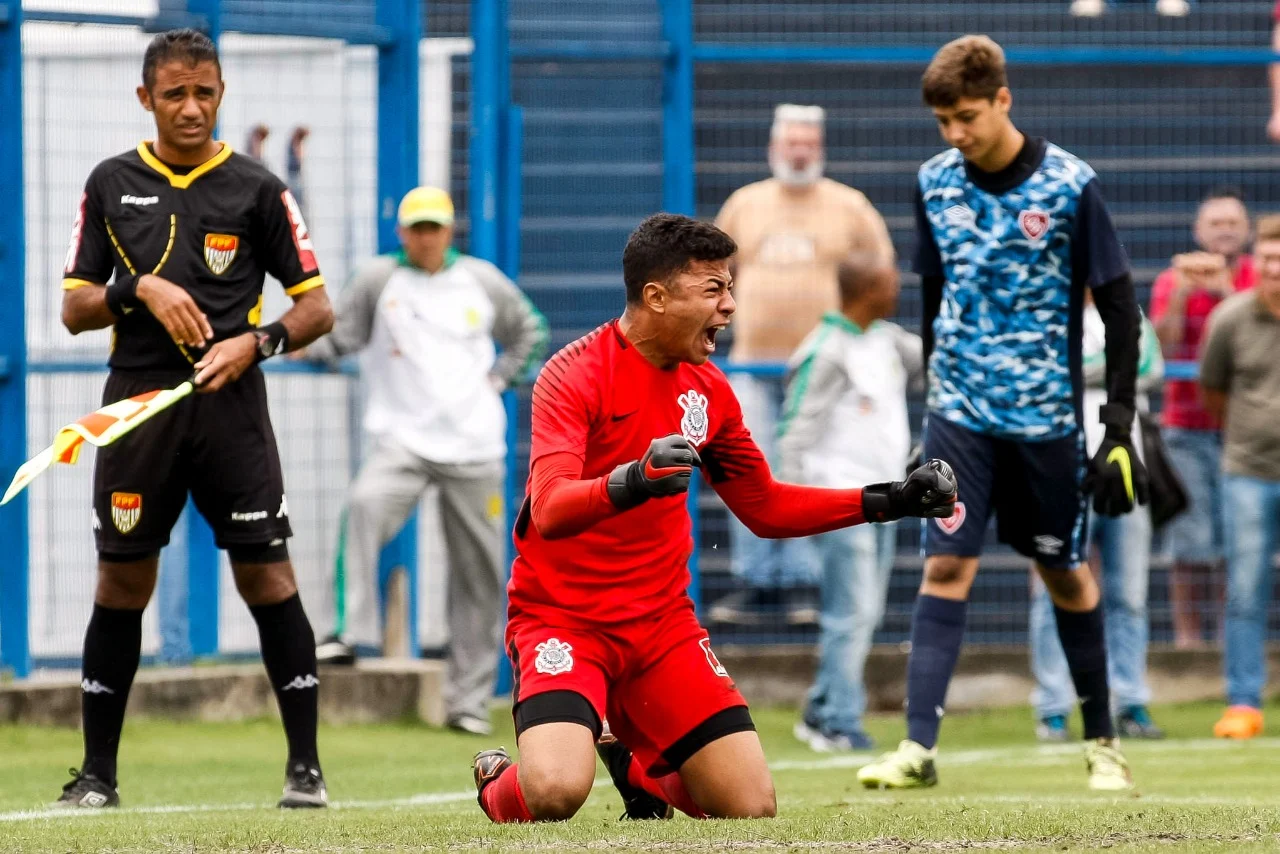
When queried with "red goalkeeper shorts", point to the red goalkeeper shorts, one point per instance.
{"points": [[662, 690]]}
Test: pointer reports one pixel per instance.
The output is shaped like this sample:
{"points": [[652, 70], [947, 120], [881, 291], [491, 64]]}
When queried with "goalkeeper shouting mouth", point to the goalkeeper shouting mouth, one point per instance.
{"points": [[600, 627]]}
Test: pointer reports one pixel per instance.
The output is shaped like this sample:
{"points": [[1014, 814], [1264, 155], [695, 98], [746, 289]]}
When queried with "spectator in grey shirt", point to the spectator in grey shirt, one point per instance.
{"points": [[1240, 376]]}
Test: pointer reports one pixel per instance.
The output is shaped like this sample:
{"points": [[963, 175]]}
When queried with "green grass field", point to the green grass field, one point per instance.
{"points": [[211, 787]]}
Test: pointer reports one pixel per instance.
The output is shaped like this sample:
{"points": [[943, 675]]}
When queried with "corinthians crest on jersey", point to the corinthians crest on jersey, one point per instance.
{"points": [[219, 251], [693, 424], [553, 657]]}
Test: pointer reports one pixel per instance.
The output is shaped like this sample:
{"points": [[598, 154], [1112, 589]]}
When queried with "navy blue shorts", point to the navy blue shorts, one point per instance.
{"points": [[1032, 488]]}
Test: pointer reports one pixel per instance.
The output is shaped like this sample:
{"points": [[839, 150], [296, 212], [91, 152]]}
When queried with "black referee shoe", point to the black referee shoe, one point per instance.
{"points": [[303, 788], [86, 791], [636, 803]]}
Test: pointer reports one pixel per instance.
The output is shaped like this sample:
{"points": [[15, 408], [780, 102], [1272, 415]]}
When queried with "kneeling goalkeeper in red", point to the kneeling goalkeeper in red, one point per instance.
{"points": [[600, 626]]}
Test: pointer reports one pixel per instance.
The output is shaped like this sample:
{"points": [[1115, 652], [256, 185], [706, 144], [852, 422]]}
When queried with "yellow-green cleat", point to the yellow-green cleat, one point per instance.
{"points": [[1108, 769], [908, 767]]}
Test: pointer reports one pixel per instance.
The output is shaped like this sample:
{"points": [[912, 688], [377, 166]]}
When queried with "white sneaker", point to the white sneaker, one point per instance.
{"points": [[470, 724], [1088, 8], [1108, 769], [1173, 8], [909, 767]]}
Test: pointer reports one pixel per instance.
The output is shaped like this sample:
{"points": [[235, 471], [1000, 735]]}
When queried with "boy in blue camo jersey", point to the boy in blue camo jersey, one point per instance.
{"points": [[1012, 230]]}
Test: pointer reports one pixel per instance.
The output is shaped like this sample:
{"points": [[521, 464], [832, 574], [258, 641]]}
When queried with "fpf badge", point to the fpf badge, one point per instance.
{"points": [[219, 251], [126, 510]]}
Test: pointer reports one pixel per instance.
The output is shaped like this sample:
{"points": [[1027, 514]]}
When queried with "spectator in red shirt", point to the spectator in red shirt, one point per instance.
{"points": [[1181, 301]]}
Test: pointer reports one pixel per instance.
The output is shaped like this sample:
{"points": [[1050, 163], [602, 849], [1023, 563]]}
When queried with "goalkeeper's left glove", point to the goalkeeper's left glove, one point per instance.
{"points": [[1116, 477], [929, 492]]}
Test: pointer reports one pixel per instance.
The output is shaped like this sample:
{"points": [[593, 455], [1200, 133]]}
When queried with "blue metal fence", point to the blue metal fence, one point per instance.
{"points": [[578, 117]]}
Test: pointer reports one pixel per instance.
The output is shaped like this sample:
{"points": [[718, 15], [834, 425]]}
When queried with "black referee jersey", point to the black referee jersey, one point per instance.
{"points": [[215, 231]]}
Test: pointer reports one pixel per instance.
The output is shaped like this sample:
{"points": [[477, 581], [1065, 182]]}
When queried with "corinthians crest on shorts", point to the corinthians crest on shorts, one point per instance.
{"points": [[553, 657], [693, 425], [219, 251], [126, 510]]}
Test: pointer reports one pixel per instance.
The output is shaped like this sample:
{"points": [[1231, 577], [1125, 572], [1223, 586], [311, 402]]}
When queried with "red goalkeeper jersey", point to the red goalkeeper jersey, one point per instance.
{"points": [[598, 403]]}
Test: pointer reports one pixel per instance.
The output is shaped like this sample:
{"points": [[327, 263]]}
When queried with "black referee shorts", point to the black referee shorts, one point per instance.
{"points": [[218, 447]]}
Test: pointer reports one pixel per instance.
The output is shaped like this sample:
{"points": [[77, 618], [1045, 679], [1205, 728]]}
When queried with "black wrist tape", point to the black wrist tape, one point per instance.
{"points": [[273, 339], [122, 295]]}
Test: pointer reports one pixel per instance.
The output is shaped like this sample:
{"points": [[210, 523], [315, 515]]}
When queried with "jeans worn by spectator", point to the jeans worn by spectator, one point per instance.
{"points": [[1195, 536], [1124, 546], [856, 565], [766, 564], [172, 594], [1253, 513]]}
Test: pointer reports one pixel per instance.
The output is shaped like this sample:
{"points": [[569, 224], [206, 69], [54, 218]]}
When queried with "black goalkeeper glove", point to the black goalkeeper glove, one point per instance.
{"points": [[664, 470], [928, 492], [1116, 479]]}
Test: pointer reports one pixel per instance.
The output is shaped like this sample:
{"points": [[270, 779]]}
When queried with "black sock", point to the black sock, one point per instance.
{"points": [[1084, 641], [937, 628], [289, 652], [112, 646]]}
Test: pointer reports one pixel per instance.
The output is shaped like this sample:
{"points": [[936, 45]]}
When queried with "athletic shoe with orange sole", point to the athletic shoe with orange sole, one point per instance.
{"points": [[1239, 722]]}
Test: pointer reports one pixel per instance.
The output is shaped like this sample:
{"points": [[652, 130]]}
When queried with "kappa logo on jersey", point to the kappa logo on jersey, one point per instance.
{"points": [[143, 201], [716, 666], [300, 683], [553, 657], [953, 523], [1033, 223], [126, 510], [219, 251], [1047, 544], [693, 425], [301, 237]]}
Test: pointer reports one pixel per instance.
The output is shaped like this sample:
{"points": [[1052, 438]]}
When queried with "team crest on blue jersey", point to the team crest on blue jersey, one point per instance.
{"points": [[553, 657], [693, 426], [1033, 223]]}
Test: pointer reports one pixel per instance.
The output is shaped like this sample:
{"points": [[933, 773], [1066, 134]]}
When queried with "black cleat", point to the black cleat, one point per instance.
{"points": [[303, 788], [487, 766], [637, 804], [334, 650], [86, 791]]}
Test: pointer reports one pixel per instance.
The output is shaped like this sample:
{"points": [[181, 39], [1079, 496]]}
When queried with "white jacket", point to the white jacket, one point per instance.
{"points": [[429, 356], [844, 424]]}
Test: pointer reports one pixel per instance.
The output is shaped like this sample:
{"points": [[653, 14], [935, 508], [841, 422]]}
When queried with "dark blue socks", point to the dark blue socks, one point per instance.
{"points": [[937, 628]]}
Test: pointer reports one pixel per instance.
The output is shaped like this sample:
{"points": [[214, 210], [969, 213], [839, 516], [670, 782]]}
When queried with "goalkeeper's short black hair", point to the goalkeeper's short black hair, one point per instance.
{"points": [[664, 245], [187, 45]]}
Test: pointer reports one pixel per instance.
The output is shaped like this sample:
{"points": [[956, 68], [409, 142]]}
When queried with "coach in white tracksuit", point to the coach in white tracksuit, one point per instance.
{"points": [[428, 321], [845, 424]]}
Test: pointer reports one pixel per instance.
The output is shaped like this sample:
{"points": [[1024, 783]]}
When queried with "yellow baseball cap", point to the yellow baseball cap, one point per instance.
{"points": [[425, 204]]}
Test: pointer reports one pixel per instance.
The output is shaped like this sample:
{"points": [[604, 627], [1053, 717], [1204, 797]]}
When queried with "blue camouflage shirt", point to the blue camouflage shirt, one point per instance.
{"points": [[1012, 253]]}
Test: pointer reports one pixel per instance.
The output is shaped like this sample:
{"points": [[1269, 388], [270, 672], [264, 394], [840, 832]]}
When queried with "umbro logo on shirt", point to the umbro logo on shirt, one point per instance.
{"points": [[959, 215], [139, 200]]}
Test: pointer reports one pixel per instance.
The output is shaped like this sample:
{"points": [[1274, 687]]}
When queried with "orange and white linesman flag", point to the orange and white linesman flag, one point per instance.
{"points": [[98, 428]]}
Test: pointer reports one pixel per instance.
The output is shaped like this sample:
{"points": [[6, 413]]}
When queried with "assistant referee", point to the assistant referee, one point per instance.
{"points": [[171, 245]]}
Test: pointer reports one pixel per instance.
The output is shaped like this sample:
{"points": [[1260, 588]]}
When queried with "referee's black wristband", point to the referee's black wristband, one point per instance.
{"points": [[273, 339], [122, 295]]}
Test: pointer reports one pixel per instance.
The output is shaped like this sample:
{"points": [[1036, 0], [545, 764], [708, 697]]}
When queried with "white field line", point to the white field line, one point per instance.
{"points": [[1018, 755]]}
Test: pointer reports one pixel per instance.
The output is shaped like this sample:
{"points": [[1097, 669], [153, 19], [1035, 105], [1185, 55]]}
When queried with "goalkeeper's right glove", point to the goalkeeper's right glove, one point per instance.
{"points": [[929, 491], [664, 470]]}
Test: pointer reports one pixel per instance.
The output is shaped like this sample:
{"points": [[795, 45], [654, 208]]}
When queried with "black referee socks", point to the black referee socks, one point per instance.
{"points": [[1084, 642], [289, 653], [112, 646]]}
